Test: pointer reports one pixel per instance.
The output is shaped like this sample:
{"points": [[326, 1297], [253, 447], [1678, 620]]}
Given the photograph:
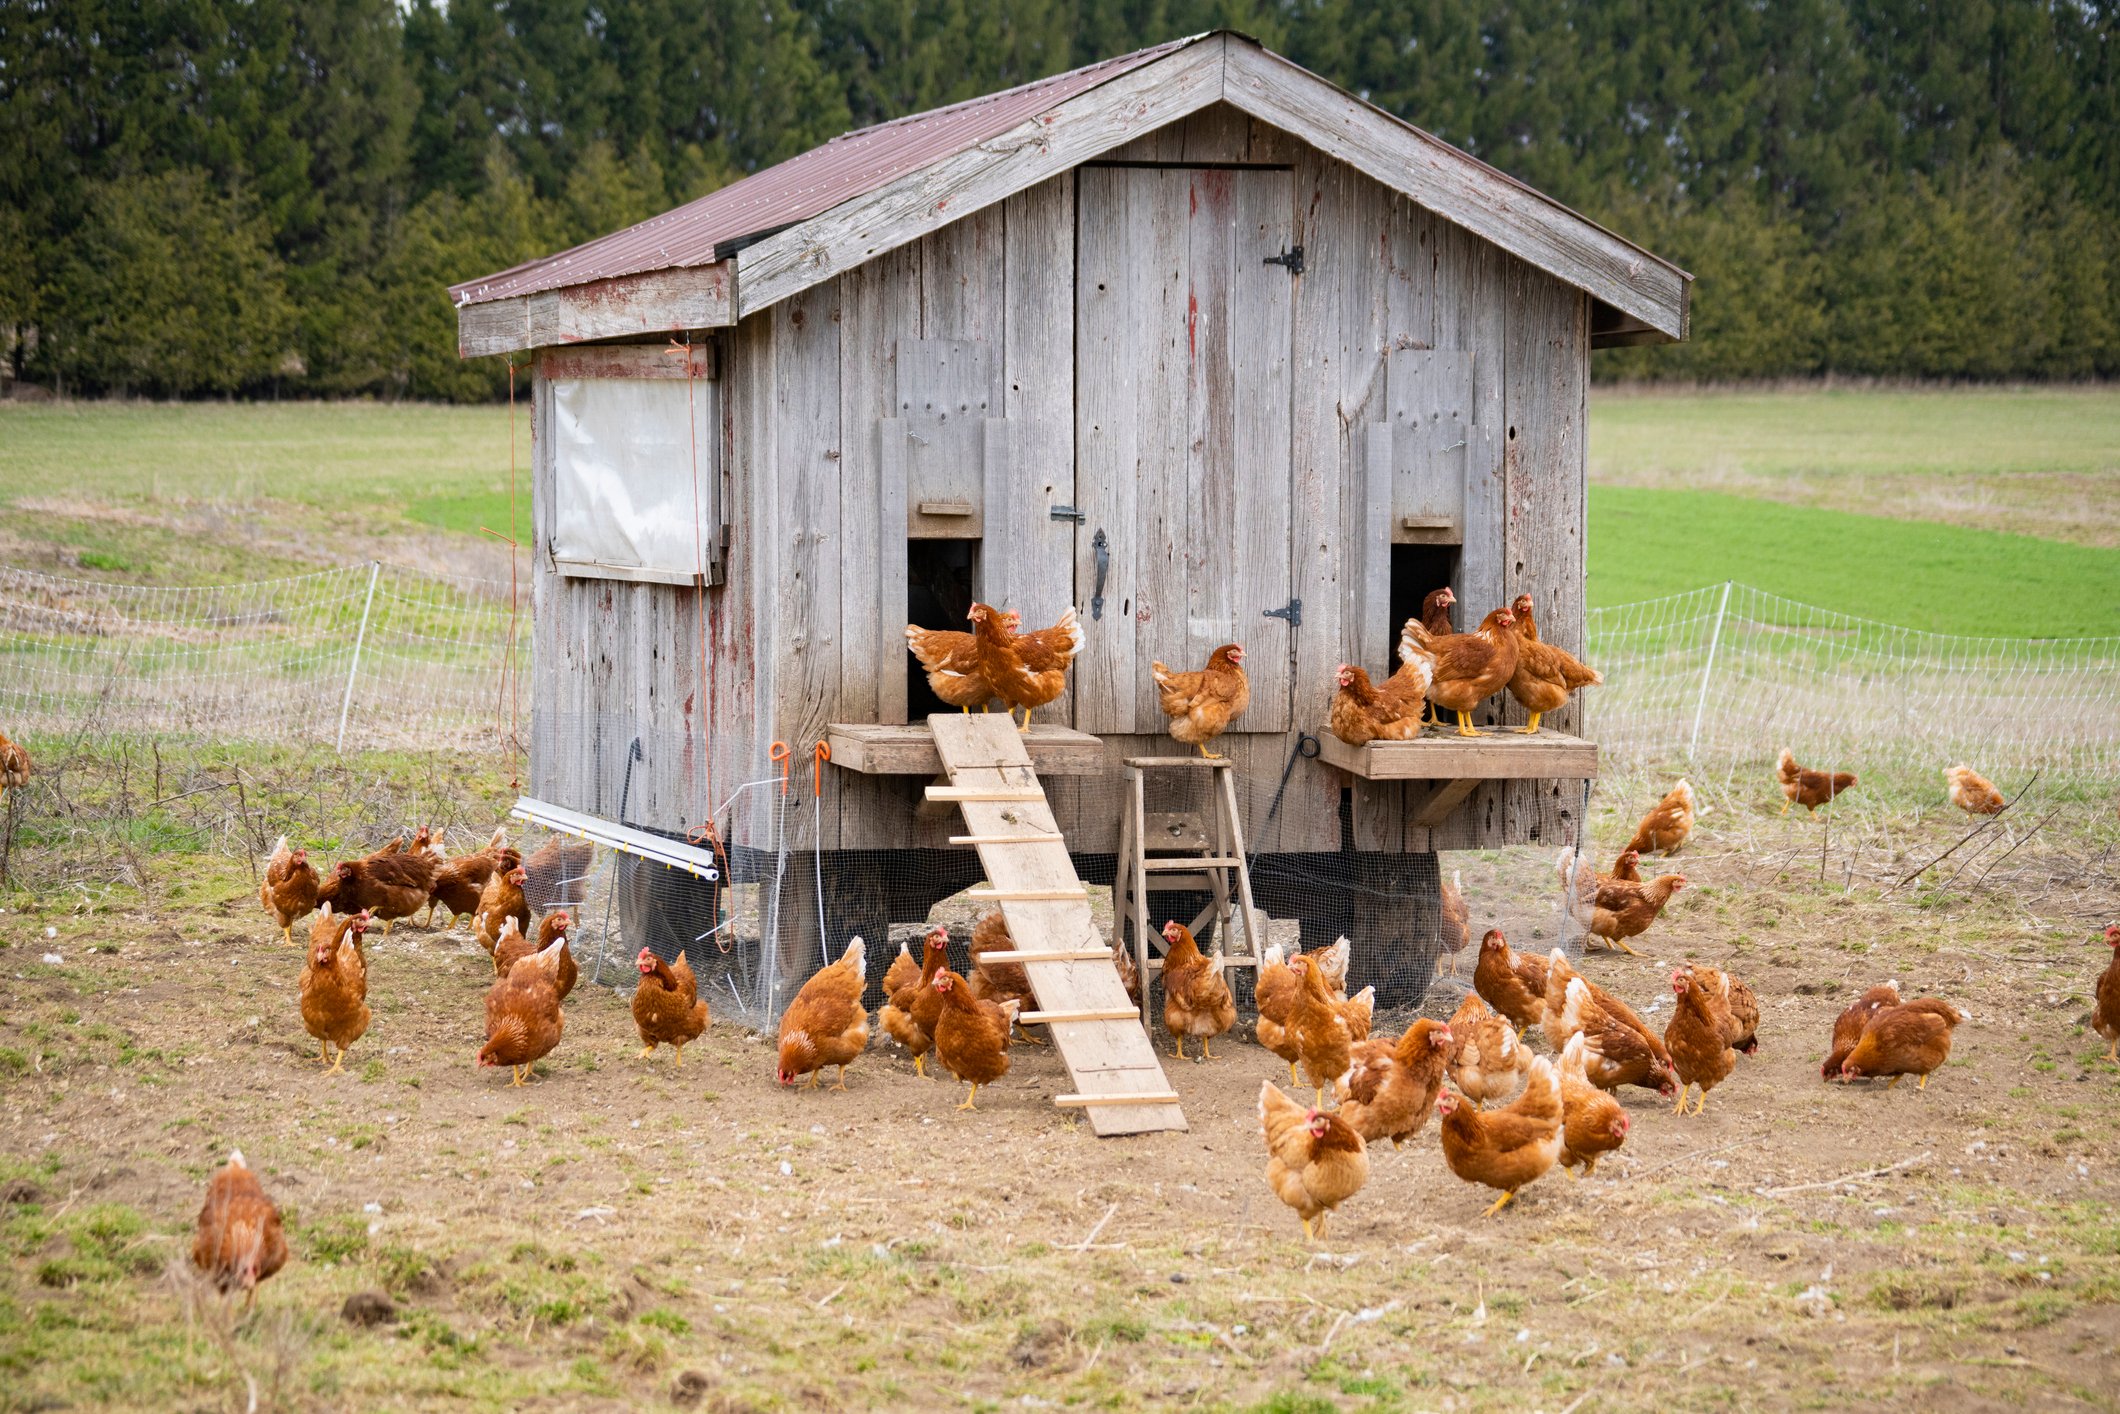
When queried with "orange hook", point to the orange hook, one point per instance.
{"points": [[824, 754], [779, 753]]}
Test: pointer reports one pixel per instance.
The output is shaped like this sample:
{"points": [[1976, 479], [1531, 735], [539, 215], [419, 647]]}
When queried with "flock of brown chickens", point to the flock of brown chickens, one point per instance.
{"points": [[1441, 670], [534, 969]]}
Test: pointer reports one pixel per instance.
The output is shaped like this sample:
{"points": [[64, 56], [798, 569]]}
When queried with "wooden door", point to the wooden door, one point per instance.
{"points": [[1182, 402]]}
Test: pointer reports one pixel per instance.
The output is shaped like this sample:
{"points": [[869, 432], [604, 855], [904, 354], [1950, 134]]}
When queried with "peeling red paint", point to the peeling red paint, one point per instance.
{"points": [[1192, 324]]}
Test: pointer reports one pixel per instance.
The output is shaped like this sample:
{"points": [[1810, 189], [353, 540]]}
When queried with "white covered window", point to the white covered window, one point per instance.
{"points": [[637, 476]]}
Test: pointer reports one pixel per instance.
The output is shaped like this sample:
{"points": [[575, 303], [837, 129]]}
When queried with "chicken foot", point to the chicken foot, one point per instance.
{"points": [[842, 1079], [1465, 727], [968, 1105], [920, 1065], [338, 1063], [647, 1050], [1500, 1203], [1532, 728]]}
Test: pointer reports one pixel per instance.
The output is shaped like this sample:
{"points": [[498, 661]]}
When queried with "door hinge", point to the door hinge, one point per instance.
{"points": [[1291, 611], [1068, 513], [1292, 258]]}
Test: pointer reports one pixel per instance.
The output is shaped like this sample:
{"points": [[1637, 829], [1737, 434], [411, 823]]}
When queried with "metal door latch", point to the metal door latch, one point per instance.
{"points": [[1291, 611], [1068, 513], [1292, 258], [1103, 549]]}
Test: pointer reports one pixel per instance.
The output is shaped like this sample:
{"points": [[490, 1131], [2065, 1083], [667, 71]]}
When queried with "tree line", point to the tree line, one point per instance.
{"points": [[269, 196]]}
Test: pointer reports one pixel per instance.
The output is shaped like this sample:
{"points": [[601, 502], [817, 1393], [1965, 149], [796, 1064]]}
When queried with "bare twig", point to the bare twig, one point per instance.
{"points": [[1697, 1154], [1968, 835], [1862, 1177], [1084, 1244]]}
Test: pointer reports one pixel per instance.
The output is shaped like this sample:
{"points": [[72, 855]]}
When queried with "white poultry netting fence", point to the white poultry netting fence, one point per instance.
{"points": [[366, 655], [1726, 676]]}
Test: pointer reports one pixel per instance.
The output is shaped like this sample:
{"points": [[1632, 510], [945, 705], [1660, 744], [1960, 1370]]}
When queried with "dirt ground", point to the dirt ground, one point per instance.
{"points": [[628, 1234]]}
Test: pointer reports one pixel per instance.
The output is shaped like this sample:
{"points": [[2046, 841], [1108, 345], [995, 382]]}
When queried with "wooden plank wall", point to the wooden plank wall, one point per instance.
{"points": [[796, 632]]}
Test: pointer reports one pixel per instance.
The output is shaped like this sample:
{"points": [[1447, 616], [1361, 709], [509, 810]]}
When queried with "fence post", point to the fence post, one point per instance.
{"points": [[375, 570], [1707, 672]]}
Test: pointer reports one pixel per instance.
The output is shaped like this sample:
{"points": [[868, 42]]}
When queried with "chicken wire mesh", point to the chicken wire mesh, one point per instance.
{"points": [[364, 655]]}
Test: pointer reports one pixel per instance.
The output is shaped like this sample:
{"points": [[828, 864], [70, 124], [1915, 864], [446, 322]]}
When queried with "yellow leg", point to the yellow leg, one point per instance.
{"points": [[815, 1076], [967, 709], [517, 1074], [287, 932], [647, 1050], [1893, 1084], [1785, 805], [1207, 1047], [2112, 1052], [1574, 1175], [1181, 1050], [338, 1063], [1622, 946], [1025, 729], [1922, 1083], [1499, 1204], [842, 1079], [680, 1056], [968, 1105], [1319, 1092], [1532, 728], [1306, 1229], [920, 1065], [323, 1053], [1700, 1101], [1465, 727], [1680, 1107], [1589, 1166], [1292, 1081], [388, 924], [1318, 1225]]}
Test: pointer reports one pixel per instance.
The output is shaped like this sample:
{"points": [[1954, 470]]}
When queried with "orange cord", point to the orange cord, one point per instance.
{"points": [[824, 754], [780, 753]]}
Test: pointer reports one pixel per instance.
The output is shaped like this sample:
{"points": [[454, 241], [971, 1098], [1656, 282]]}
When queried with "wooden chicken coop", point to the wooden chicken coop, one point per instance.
{"points": [[1189, 340]]}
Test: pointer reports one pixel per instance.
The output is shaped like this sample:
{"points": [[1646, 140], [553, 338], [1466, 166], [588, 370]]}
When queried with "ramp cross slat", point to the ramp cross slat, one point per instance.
{"points": [[1047, 910]]}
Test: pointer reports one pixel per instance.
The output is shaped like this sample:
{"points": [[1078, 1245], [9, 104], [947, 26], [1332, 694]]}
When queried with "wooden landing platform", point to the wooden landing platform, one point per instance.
{"points": [[1502, 754], [909, 750]]}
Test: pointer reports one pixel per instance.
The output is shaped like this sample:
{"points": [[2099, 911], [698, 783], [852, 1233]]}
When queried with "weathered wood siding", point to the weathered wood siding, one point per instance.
{"points": [[1400, 324]]}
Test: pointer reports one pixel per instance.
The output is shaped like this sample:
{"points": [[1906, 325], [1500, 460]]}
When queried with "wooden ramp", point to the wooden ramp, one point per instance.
{"points": [[1117, 1076]]}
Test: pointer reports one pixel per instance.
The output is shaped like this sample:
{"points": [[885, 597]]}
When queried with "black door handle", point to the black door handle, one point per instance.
{"points": [[1102, 548]]}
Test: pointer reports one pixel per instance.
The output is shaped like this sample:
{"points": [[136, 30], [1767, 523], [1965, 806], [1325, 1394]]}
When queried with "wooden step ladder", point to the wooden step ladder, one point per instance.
{"points": [[1118, 1077], [1170, 854]]}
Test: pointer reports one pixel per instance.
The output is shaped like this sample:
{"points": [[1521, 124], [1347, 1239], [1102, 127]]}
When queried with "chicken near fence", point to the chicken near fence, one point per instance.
{"points": [[1667, 824], [1972, 792], [289, 891], [1324, 1041], [971, 1034], [1852, 1022], [387, 886], [1545, 676], [1913, 1038], [459, 882], [14, 766], [1202, 704], [1314, 1160], [999, 981], [552, 928], [334, 985], [523, 1018], [2105, 1011], [1196, 997], [667, 1007], [1456, 919], [1625, 909], [239, 1240], [1391, 1083], [826, 1024], [1508, 1148], [1808, 788], [556, 873]]}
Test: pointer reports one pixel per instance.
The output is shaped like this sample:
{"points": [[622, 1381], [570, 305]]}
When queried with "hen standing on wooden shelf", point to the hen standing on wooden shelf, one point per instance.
{"points": [[1433, 623], [1360, 713], [952, 662], [1545, 676], [1471, 667], [1202, 705], [240, 1241], [1026, 670], [667, 1007], [1315, 1161]]}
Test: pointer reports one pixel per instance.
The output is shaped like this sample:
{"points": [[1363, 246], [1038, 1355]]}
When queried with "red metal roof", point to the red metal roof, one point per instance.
{"points": [[846, 167]]}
